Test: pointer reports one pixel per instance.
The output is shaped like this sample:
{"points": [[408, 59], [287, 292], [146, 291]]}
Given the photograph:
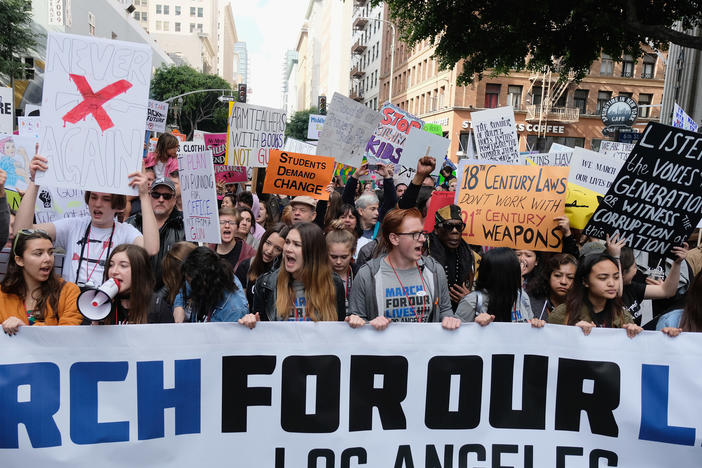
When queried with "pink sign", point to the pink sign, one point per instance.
{"points": [[230, 174], [217, 143]]}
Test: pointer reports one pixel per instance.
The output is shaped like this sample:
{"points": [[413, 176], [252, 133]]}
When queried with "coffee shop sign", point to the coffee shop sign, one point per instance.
{"points": [[530, 128]]}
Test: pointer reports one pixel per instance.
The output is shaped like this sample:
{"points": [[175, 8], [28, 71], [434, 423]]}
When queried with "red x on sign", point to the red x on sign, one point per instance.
{"points": [[92, 102]]}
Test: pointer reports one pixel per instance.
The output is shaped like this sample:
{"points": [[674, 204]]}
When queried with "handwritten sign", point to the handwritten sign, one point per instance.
{"points": [[512, 206], [298, 174], [547, 159], [192, 147], [217, 143], [93, 112], [58, 203], [199, 193], [388, 141], [156, 116], [434, 128], [347, 130], [7, 110], [616, 149], [16, 151], [297, 146], [655, 201], [314, 126], [682, 120], [28, 126], [420, 144], [230, 174], [496, 134], [253, 132]]}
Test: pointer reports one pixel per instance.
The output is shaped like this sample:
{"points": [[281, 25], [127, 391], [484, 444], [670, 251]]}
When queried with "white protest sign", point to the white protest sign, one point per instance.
{"points": [[559, 148], [7, 110], [314, 126], [57, 203], [28, 126], [156, 116], [16, 151], [496, 134], [192, 146], [253, 132], [93, 112], [547, 159], [420, 143], [347, 130], [297, 146], [387, 143], [199, 135], [682, 120], [593, 171], [199, 192], [616, 149]]}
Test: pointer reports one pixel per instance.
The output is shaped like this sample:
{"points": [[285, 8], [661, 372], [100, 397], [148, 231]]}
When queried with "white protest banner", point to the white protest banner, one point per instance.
{"points": [[58, 203], [93, 112], [547, 159], [294, 395], [16, 151], [347, 130], [156, 116], [253, 132], [199, 193], [496, 134], [593, 171], [314, 126], [297, 146], [7, 110], [388, 141], [28, 126], [682, 120], [616, 149]]}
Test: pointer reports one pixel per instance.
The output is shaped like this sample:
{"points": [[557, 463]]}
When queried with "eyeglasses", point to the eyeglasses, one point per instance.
{"points": [[26, 232], [415, 235], [227, 222], [157, 195], [453, 226]]}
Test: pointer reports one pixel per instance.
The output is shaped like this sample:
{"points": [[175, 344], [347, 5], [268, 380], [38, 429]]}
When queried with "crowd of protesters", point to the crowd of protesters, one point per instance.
{"points": [[362, 257]]}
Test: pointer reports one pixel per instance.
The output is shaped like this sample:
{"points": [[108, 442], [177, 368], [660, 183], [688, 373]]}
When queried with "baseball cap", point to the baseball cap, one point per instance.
{"points": [[305, 200], [163, 181]]}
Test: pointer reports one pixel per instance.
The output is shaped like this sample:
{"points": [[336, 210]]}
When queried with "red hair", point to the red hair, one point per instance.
{"points": [[394, 219]]}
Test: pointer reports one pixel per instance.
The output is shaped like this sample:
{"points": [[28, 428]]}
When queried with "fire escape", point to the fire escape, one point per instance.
{"points": [[552, 87]]}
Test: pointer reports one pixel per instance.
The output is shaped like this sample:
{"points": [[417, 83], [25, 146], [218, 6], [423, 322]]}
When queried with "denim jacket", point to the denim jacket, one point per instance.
{"points": [[233, 307]]}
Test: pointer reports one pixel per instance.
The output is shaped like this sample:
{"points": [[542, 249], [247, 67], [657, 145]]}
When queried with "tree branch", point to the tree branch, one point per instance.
{"points": [[657, 31]]}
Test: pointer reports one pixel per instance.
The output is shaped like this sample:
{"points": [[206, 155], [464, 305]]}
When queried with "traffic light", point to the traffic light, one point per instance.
{"points": [[322, 105], [242, 92]]}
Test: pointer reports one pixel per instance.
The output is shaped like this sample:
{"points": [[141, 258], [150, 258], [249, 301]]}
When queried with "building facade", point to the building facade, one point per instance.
{"points": [[241, 63], [367, 37]]}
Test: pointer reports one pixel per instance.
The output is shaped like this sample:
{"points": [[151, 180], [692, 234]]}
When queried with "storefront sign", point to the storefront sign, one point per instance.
{"points": [[620, 111], [529, 128]]}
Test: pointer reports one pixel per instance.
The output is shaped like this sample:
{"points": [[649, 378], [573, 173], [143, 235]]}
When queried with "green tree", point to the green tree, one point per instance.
{"points": [[297, 127], [563, 35], [201, 111], [16, 36]]}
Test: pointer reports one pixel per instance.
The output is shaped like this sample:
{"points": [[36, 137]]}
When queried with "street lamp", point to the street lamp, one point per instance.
{"points": [[392, 51]]}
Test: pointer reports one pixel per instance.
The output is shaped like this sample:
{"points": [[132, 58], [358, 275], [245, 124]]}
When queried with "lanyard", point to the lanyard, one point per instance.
{"points": [[86, 240], [404, 291]]}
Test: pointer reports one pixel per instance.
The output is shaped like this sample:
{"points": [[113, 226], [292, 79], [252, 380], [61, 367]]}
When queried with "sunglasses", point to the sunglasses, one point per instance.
{"points": [[157, 195], [26, 232], [453, 226]]}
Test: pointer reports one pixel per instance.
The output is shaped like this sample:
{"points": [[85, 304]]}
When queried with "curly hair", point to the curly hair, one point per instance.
{"points": [[541, 285], [210, 279]]}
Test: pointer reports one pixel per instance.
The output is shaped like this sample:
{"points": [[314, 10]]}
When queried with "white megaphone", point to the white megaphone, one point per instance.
{"points": [[95, 304]]}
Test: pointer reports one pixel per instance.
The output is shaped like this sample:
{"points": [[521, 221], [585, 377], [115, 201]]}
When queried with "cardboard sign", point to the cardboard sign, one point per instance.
{"points": [[217, 143], [28, 126], [199, 193], [420, 144], [58, 203], [347, 130], [156, 116], [253, 132], [296, 146], [439, 199], [298, 174], [682, 120], [7, 110], [93, 112], [314, 126], [496, 134], [616, 149], [655, 200], [389, 139], [547, 159], [230, 174], [16, 152], [512, 206]]}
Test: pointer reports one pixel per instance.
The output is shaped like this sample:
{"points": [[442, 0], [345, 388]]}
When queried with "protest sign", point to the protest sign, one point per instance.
{"points": [[192, 147], [296, 146], [7, 110], [253, 132], [433, 128], [156, 116], [199, 193], [28, 126], [496, 134], [512, 206], [217, 143], [57, 203], [388, 141], [16, 151], [547, 159], [93, 112], [347, 130], [326, 395], [616, 149], [655, 201], [230, 174], [314, 126], [420, 144], [682, 120], [298, 174], [199, 135], [558, 148], [439, 199]]}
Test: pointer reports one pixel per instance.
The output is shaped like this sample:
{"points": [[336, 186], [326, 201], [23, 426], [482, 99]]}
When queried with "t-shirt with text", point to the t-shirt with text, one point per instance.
{"points": [[405, 300]]}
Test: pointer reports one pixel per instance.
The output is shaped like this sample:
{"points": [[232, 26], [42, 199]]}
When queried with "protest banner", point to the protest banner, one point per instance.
{"points": [[314, 126], [28, 126], [388, 141], [512, 206], [496, 134], [682, 120], [217, 143], [420, 143], [439, 199], [7, 110], [296, 146], [57, 203], [156, 116], [322, 394], [253, 132], [590, 177], [547, 159], [616, 149], [16, 151], [296, 174], [199, 193], [347, 130], [655, 201], [93, 112]]}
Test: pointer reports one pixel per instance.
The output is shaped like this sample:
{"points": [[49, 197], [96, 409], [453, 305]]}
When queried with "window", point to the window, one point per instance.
{"points": [[177, 27], [602, 98], [199, 27], [192, 27], [492, 94], [645, 100], [514, 96], [595, 144], [137, 15], [91, 24], [192, 11], [159, 25], [627, 66], [199, 12], [159, 9], [536, 95], [177, 10], [166, 9], [626, 94], [606, 65], [562, 99], [649, 65], [580, 100], [543, 144], [143, 16], [166, 26]]}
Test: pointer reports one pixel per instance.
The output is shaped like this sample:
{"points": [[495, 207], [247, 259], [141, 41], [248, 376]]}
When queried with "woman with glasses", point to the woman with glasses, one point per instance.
{"points": [[232, 247], [31, 292], [402, 286]]}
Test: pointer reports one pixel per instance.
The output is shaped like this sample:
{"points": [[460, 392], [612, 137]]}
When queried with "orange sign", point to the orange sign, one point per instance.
{"points": [[298, 174], [512, 206]]}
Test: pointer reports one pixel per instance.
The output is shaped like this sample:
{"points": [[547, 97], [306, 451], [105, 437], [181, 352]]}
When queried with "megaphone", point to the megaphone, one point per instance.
{"points": [[95, 304]]}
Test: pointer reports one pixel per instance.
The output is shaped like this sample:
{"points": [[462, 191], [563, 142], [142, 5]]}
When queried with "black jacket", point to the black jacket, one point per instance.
{"points": [[161, 311], [466, 260]]}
